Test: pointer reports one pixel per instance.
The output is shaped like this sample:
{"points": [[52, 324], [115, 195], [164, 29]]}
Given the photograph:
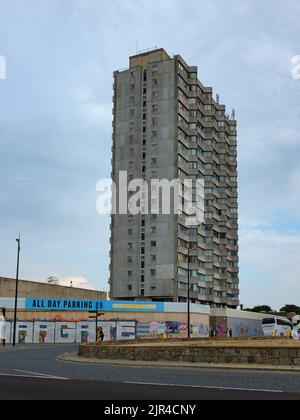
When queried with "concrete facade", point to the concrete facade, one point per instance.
{"points": [[168, 126]]}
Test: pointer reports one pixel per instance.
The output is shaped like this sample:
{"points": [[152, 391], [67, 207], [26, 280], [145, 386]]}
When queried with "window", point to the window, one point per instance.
{"points": [[154, 108], [208, 216], [129, 245], [154, 121], [154, 134], [193, 139], [131, 100], [153, 244], [145, 76], [131, 113], [155, 94], [142, 278], [131, 152], [130, 231], [129, 287], [153, 230], [153, 272], [182, 271], [142, 265], [153, 258], [129, 259], [153, 148], [142, 251], [207, 154], [153, 162], [129, 273]]}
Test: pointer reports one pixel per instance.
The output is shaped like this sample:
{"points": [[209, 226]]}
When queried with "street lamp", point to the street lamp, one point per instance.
{"points": [[17, 288], [188, 294]]}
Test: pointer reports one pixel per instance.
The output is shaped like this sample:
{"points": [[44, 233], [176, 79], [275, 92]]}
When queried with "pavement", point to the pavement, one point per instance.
{"points": [[31, 372]]}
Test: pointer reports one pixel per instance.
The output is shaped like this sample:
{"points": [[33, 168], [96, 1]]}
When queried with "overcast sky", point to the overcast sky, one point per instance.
{"points": [[55, 127]]}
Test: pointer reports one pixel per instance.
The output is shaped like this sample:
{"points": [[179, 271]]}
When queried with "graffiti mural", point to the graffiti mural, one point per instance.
{"points": [[221, 330], [200, 330], [245, 327], [47, 332]]}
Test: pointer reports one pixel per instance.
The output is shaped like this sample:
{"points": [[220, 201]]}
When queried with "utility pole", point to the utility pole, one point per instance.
{"points": [[188, 298], [188, 294], [17, 290], [95, 315]]}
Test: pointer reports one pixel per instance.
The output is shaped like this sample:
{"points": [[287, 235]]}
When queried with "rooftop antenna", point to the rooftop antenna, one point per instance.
{"points": [[233, 114], [218, 98]]}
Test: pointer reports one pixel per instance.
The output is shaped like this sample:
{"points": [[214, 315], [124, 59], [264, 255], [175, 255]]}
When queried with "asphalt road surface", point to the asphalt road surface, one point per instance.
{"points": [[33, 372]]}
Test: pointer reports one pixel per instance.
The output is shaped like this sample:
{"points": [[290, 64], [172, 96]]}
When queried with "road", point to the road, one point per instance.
{"points": [[33, 372]]}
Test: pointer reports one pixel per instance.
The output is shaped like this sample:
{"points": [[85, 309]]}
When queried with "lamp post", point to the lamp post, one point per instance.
{"points": [[188, 294], [17, 289]]}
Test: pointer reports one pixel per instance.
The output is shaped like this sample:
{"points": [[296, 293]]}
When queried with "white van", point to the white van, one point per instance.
{"points": [[279, 327]]}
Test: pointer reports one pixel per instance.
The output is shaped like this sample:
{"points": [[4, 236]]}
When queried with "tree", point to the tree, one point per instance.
{"points": [[261, 309], [291, 309]]}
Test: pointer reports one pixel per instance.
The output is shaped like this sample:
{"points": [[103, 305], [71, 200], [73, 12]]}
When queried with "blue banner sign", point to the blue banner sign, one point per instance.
{"points": [[44, 304]]}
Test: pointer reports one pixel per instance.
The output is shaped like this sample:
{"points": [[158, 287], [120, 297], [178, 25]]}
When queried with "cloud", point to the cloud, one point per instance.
{"points": [[97, 113], [270, 266], [77, 282]]}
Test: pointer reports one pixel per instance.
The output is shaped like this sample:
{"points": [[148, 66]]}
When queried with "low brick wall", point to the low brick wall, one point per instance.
{"points": [[275, 356]]}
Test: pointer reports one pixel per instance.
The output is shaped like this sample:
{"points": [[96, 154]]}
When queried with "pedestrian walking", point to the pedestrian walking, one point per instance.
{"points": [[230, 333]]}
